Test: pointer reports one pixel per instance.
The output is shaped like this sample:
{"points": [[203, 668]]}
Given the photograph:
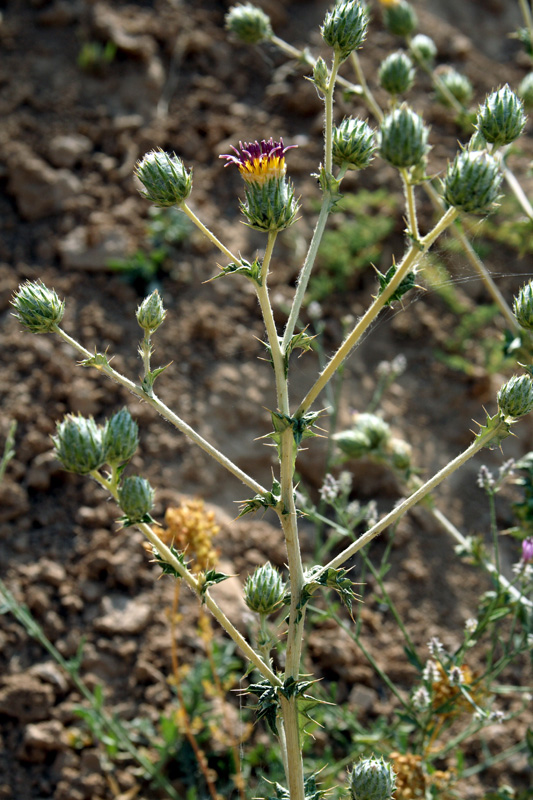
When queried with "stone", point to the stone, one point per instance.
{"points": [[26, 698], [92, 249], [123, 615], [65, 151], [39, 190]]}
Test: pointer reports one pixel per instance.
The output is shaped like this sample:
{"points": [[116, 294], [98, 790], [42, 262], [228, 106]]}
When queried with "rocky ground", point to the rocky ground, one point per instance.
{"points": [[70, 136]]}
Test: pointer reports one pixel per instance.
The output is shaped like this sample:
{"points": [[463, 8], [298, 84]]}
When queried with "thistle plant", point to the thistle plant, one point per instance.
{"points": [[472, 184]]}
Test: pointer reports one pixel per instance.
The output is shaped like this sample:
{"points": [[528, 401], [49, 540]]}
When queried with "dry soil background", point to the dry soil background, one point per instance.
{"points": [[68, 142]]}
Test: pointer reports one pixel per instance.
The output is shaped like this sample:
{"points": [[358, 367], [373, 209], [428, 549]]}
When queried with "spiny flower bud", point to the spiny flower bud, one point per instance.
{"points": [[523, 306], [120, 438], [396, 74], [164, 177], [449, 81], [403, 138], [400, 18], [345, 27], [372, 779], [38, 308], [264, 590], [354, 144], [515, 398], [150, 314], [249, 23], [423, 49], [136, 499], [270, 204], [78, 444], [501, 118], [472, 181], [525, 90]]}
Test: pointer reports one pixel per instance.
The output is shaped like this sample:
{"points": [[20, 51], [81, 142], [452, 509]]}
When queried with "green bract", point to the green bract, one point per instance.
{"points": [[403, 138], [354, 144], [150, 314], [270, 206], [472, 181], [515, 398], [372, 779], [397, 74], [523, 306], [120, 438], [136, 499], [400, 19], [456, 84], [264, 590], [249, 23], [78, 444], [345, 27], [164, 177], [501, 118], [525, 90], [38, 308]]}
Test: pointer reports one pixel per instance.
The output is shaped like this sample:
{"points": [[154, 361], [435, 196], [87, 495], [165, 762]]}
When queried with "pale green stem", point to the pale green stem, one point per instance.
{"points": [[209, 234], [291, 742], [410, 204], [450, 528], [367, 94], [328, 116], [167, 414], [305, 272], [195, 585], [476, 262], [517, 190], [411, 259], [527, 17], [481, 441]]}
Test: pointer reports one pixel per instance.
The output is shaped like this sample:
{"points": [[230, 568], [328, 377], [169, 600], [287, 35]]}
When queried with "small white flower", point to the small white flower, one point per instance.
{"points": [[497, 716], [456, 676], [471, 625], [421, 698], [435, 646], [430, 672]]}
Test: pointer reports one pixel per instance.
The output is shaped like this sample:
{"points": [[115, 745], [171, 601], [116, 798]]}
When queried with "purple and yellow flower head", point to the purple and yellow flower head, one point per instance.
{"points": [[259, 162], [269, 203]]}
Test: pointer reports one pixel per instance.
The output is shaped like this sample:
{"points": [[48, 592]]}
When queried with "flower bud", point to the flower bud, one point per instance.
{"points": [[472, 181], [354, 144], [164, 177], [39, 309], [368, 433], [400, 18], [345, 27], [264, 590], [525, 90], [150, 314], [78, 444], [523, 306], [515, 398], [423, 49], [527, 550], [400, 453], [397, 74], [372, 779], [403, 138], [249, 23], [136, 499], [452, 82], [501, 118], [120, 438], [321, 74]]}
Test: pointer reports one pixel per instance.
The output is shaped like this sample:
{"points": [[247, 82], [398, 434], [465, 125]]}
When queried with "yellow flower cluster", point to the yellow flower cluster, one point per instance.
{"points": [[448, 700], [191, 529], [411, 779]]}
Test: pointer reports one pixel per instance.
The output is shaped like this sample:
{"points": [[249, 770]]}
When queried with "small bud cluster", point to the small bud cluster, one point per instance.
{"points": [[472, 181], [403, 138], [368, 433], [136, 499], [501, 119], [354, 144], [345, 27], [249, 23], [165, 178], [264, 590], [400, 18], [38, 308], [523, 306], [397, 74], [372, 779], [423, 49]]}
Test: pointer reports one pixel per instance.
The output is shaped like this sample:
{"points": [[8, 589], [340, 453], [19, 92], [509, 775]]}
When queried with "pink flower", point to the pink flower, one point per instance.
{"points": [[527, 550], [260, 161]]}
